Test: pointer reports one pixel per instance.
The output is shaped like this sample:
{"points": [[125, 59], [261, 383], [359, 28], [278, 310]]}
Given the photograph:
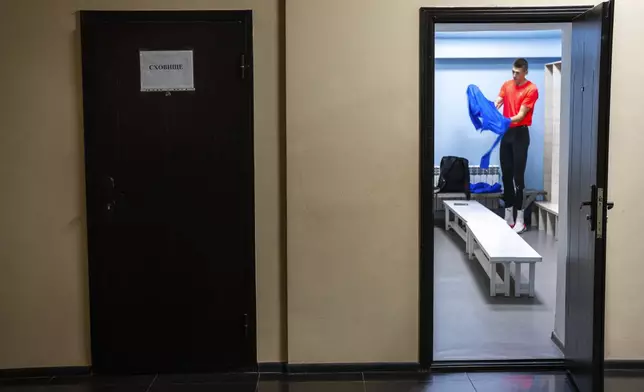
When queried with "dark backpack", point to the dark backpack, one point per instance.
{"points": [[454, 176]]}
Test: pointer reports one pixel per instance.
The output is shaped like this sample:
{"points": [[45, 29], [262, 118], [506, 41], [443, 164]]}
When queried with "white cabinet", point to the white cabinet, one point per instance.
{"points": [[551, 131]]}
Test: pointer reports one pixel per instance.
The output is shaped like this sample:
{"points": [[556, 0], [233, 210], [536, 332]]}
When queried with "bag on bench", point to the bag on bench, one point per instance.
{"points": [[454, 176]]}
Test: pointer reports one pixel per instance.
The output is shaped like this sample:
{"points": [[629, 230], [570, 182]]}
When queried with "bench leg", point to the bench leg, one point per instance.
{"points": [[550, 224], [532, 275], [469, 244], [542, 219], [556, 227], [506, 279], [517, 279], [492, 279], [446, 219]]}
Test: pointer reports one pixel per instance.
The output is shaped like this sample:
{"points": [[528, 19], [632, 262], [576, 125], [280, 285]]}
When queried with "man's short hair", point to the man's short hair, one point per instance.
{"points": [[521, 63]]}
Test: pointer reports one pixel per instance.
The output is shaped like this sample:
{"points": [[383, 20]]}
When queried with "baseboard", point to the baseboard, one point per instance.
{"points": [[498, 366], [46, 372], [266, 367], [353, 367], [272, 367], [555, 339], [411, 367], [621, 367]]}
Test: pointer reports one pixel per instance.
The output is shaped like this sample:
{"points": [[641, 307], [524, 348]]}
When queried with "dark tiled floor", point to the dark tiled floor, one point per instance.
{"points": [[358, 382], [471, 325]]}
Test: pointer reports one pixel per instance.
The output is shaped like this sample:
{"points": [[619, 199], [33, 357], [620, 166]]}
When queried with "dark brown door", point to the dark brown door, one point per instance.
{"points": [[170, 194], [587, 205]]}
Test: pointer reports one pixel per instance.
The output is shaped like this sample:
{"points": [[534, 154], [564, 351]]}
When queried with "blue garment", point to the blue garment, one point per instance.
{"points": [[486, 117], [482, 187]]}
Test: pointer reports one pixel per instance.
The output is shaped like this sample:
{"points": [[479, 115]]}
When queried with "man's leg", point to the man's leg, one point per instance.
{"points": [[507, 171], [520, 154]]}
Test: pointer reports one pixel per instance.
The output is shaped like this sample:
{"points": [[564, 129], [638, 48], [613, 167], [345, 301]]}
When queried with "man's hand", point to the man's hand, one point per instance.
{"points": [[521, 115], [498, 102]]}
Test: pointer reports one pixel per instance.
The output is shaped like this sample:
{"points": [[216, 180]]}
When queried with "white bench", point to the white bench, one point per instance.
{"points": [[490, 200], [546, 217], [490, 240], [463, 211]]}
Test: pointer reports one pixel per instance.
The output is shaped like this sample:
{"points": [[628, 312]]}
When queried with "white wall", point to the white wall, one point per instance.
{"points": [[509, 44]]}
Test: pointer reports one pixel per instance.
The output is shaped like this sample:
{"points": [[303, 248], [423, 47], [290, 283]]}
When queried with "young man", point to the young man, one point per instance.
{"points": [[517, 96]]}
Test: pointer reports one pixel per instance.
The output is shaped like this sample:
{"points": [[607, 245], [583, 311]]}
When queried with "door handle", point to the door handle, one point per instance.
{"points": [[592, 203], [597, 211], [609, 205], [110, 194]]}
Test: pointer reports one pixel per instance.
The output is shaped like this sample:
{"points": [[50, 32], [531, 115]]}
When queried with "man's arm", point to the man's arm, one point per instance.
{"points": [[498, 102], [529, 100], [521, 115]]}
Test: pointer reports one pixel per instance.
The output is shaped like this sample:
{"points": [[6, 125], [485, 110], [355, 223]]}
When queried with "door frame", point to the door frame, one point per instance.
{"points": [[429, 16], [94, 18]]}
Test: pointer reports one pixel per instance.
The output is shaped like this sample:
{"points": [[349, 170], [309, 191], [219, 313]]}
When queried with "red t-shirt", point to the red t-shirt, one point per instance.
{"points": [[516, 96]]}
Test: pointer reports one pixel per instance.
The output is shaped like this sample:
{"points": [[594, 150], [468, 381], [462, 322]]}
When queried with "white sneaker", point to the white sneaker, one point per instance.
{"points": [[519, 226], [509, 216]]}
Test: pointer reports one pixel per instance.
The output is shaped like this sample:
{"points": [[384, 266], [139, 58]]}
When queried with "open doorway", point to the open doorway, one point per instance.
{"points": [[513, 325], [585, 209]]}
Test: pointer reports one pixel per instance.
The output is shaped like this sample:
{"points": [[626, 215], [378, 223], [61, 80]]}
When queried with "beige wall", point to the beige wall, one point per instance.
{"points": [[625, 302], [43, 261], [352, 155]]}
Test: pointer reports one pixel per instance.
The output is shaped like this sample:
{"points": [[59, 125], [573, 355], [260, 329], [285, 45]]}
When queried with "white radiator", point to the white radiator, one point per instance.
{"points": [[490, 175]]}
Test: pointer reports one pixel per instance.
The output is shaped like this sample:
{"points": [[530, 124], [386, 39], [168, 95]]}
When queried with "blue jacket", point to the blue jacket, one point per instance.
{"points": [[486, 117], [482, 187]]}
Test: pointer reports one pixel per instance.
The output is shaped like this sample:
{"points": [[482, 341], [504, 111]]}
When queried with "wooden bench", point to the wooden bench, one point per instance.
{"points": [[546, 217], [490, 240]]}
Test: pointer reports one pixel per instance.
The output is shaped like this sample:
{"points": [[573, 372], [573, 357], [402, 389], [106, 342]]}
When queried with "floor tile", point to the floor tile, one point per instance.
{"points": [[272, 386], [325, 386], [101, 384], [205, 387], [206, 378], [24, 384], [516, 382], [317, 377], [417, 377], [624, 383], [448, 382], [496, 376], [25, 381], [415, 386]]}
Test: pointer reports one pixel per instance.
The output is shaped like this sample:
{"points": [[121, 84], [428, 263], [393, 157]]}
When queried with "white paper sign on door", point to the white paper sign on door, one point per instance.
{"points": [[167, 70]]}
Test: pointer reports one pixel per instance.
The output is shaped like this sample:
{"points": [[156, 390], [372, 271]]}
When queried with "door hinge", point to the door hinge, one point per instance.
{"points": [[246, 324], [599, 231], [243, 66]]}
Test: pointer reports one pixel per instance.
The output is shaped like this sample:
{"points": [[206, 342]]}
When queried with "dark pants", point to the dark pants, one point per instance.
{"points": [[514, 156]]}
